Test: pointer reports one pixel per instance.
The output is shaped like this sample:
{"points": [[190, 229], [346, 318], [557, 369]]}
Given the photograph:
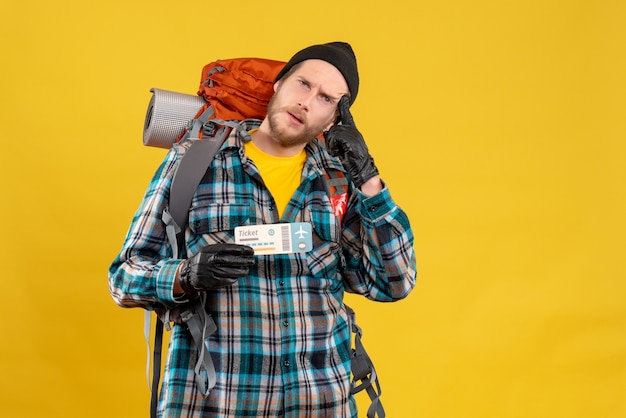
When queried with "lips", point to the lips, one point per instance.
{"points": [[296, 117]]}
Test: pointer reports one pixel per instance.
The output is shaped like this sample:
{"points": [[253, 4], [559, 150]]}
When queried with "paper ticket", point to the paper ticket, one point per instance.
{"points": [[284, 238]]}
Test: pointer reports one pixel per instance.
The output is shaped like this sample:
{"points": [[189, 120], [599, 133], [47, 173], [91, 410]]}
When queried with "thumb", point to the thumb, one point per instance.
{"points": [[344, 112]]}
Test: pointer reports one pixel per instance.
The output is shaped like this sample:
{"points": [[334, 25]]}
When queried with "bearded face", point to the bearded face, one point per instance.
{"points": [[305, 102], [289, 125]]}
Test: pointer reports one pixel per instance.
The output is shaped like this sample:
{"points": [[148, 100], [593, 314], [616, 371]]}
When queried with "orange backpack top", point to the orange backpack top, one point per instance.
{"points": [[239, 88]]}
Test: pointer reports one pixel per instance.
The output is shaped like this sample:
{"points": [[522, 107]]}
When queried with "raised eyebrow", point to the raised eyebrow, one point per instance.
{"points": [[322, 92], [330, 96]]}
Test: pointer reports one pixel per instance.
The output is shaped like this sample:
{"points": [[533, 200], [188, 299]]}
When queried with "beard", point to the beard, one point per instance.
{"points": [[283, 133]]}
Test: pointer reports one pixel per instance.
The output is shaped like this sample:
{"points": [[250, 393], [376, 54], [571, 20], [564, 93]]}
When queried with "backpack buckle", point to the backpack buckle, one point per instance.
{"points": [[209, 129]]}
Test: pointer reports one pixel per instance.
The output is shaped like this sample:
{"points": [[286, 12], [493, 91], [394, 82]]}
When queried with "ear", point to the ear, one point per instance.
{"points": [[333, 121], [277, 84]]}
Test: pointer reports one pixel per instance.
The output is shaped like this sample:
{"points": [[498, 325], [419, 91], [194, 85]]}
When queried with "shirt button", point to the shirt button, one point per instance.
{"points": [[282, 282], [373, 208], [286, 363], [271, 208], [285, 323]]}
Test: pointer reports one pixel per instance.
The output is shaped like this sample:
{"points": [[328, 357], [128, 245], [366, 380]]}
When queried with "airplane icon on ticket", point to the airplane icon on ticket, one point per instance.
{"points": [[300, 233]]}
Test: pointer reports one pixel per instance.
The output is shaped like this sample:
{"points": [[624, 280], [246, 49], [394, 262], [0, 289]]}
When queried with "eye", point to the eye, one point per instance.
{"points": [[328, 100]]}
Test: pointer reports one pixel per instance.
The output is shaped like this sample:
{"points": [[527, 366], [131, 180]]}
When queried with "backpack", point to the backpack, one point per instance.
{"points": [[231, 91]]}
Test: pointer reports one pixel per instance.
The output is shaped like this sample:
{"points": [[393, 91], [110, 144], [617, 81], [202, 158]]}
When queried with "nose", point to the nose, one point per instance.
{"points": [[305, 100]]}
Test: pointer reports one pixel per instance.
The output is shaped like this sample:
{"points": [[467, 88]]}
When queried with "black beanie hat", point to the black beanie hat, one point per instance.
{"points": [[339, 54]]}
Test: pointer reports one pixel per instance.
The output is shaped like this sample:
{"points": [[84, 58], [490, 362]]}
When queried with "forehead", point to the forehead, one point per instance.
{"points": [[324, 74]]}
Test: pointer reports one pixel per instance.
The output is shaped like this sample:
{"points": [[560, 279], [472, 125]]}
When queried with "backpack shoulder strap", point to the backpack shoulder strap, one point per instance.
{"points": [[191, 169], [363, 372], [337, 189], [364, 375]]}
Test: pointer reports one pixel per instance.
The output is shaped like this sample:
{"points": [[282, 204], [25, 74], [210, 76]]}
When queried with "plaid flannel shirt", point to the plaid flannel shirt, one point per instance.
{"points": [[282, 347]]}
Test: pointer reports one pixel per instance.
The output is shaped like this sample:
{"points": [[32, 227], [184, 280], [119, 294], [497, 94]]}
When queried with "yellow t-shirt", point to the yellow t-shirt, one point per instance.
{"points": [[282, 175]]}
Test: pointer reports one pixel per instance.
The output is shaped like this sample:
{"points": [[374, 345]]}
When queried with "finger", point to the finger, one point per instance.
{"points": [[242, 250], [231, 272], [231, 249], [233, 260], [333, 148], [344, 112], [223, 280]]}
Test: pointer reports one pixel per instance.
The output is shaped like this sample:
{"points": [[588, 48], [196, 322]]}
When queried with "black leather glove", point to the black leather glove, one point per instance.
{"points": [[346, 142], [216, 265]]}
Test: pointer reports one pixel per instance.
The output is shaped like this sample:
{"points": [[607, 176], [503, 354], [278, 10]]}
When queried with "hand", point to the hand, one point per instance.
{"points": [[215, 266], [346, 142]]}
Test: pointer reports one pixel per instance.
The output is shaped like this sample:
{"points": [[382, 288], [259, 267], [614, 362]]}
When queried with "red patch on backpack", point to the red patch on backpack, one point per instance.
{"points": [[340, 204]]}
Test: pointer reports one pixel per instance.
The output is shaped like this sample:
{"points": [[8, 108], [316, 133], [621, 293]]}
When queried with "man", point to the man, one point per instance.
{"points": [[282, 345]]}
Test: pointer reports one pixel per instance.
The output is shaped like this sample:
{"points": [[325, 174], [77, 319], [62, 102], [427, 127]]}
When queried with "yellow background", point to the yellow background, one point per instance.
{"points": [[500, 127]]}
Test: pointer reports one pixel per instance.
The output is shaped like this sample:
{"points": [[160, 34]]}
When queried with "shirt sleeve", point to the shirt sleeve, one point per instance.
{"points": [[377, 242], [142, 275]]}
